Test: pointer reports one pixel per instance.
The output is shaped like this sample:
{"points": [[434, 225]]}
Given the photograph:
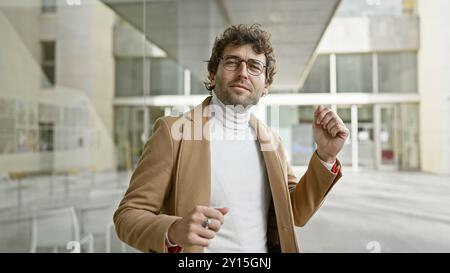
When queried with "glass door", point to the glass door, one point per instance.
{"points": [[136, 133], [386, 137], [128, 128]]}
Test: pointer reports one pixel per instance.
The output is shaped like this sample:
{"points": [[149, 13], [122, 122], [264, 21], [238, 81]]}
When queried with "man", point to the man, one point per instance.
{"points": [[217, 179]]}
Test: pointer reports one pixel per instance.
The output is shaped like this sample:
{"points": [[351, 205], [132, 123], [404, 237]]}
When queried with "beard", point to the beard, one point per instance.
{"points": [[230, 96]]}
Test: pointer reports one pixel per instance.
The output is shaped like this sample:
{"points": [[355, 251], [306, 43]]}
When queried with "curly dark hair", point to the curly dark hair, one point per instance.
{"points": [[243, 35]]}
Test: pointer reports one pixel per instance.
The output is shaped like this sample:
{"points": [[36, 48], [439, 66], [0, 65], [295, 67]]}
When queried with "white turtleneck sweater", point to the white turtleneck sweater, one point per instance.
{"points": [[238, 182]]}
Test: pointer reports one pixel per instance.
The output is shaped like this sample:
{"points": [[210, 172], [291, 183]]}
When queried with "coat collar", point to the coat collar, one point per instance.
{"points": [[200, 118]]}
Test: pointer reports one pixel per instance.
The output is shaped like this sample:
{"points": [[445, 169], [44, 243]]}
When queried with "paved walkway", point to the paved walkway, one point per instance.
{"points": [[366, 211], [382, 211]]}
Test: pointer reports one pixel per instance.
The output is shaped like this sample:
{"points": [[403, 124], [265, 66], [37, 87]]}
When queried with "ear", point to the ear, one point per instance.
{"points": [[266, 88], [212, 79]]}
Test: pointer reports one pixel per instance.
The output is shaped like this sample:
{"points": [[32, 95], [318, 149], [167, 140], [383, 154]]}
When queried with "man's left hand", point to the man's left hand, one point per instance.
{"points": [[329, 132]]}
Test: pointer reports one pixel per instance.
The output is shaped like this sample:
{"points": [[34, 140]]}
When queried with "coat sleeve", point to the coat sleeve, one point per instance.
{"points": [[138, 220], [308, 194]]}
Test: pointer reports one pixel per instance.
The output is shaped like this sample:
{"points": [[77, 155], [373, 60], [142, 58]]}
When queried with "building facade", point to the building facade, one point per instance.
{"points": [[56, 86], [81, 87]]}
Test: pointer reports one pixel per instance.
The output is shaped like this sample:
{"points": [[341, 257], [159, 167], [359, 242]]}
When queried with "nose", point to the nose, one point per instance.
{"points": [[242, 70]]}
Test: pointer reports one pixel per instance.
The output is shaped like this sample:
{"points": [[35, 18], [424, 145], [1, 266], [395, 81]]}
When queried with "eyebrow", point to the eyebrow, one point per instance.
{"points": [[237, 57]]}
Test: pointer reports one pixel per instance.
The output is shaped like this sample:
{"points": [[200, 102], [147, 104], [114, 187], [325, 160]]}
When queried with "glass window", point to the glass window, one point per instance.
{"points": [[167, 77], [48, 51], [354, 73], [7, 143], [48, 63], [366, 144], [7, 125], [293, 124], [409, 158], [129, 77], [318, 80], [46, 136], [345, 155], [128, 133], [397, 72], [48, 6], [356, 8], [302, 144], [197, 86]]}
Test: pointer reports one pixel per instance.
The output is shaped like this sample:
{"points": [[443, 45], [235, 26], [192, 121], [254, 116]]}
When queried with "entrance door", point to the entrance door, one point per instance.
{"points": [[386, 137]]}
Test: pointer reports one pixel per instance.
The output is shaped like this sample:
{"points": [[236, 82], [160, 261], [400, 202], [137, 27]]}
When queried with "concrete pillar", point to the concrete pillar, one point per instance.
{"points": [[434, 86], [354, 122]]}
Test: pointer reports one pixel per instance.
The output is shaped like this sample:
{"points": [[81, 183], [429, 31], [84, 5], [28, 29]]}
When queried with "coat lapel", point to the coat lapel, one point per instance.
{"points": [[194, 164], [269, 147], [193, 175], [278, 181]]}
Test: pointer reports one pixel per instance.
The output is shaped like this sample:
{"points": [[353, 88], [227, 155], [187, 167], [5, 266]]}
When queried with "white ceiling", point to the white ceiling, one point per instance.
{"points": [[186, 29]]}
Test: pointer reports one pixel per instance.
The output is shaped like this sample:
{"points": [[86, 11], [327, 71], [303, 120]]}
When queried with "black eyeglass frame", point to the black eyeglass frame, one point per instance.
{"points": [[264, 66]]}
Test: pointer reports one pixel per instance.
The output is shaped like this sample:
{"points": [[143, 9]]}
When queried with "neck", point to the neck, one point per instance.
{"points": [[231, 117]]}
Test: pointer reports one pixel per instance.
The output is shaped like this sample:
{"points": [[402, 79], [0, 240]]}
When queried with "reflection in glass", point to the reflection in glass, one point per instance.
{"points": [[318, 80], [397, 72], [129, 133], [48, 6], [129, 75], [166, 77], [387, 136], [354, 73]]}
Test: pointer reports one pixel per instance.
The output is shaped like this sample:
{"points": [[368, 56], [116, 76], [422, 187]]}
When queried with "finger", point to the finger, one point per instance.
{"points": [[339, 130], [328, 117], [199, 209], [199, 241], [319, 109], [213, 214], [321, 115], [343, 131], [223, 210], [215, 225], [340, 122], [331, 124], [206, 233], [316, 113], [334, 130]]}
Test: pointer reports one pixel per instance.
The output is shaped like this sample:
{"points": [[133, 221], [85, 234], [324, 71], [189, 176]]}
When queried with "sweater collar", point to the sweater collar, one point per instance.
{"points": [[232, 118]]}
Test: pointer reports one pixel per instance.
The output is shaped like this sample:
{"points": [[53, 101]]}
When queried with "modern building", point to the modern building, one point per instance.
{"points": [[82, 81], [56, 86]]}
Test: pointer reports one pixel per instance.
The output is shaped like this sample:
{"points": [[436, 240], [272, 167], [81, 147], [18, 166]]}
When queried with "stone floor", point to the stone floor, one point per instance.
{"points": [[367, 211], [376, 211]]}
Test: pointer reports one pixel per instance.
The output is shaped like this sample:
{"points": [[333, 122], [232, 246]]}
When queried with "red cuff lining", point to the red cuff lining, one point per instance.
{"points": [[335, 168], [174, 249]]}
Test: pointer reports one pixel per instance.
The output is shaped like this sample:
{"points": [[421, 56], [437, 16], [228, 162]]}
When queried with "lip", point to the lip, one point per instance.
{"points": [[240, 86]]}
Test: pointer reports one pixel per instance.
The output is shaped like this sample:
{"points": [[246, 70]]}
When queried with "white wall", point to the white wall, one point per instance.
{"points": [[368, 34], [434, 85], [85, 62]]}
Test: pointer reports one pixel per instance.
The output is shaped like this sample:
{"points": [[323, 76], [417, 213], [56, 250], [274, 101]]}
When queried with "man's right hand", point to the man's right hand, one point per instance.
{"points": [[189, 231]]}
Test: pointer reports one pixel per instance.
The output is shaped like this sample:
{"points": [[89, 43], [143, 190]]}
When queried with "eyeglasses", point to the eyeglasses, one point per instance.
{"points": [[254, 67]]}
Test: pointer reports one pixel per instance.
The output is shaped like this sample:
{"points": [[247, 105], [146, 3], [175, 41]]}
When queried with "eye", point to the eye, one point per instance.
{"points": [[255, 66], [231, 61]]}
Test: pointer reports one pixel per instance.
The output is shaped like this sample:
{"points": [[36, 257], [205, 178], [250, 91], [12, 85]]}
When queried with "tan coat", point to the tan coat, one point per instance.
{"points": [[173, 175]]}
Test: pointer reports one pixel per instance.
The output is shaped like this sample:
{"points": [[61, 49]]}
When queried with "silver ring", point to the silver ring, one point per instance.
{"points": [[206, 223]]}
